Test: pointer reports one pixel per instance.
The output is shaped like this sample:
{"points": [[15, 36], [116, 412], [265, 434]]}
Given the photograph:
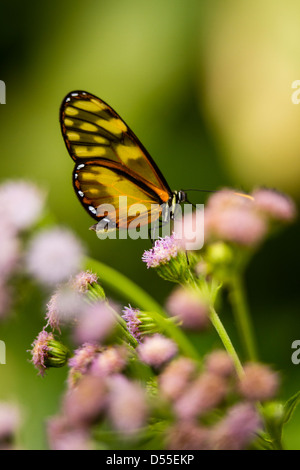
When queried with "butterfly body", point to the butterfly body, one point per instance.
{"points": [[110, 162]]}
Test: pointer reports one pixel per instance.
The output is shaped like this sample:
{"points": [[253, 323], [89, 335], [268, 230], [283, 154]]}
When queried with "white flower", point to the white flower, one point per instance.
{"points": [[21, 203], [53, 256]]}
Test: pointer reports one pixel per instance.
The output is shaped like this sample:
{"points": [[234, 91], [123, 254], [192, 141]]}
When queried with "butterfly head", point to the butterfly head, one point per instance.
{"points": [[180, 196], [176, 198]]}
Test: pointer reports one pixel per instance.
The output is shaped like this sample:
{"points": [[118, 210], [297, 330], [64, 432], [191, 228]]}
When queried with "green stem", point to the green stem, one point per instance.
{"points": [[242, 316], [226, 341], [123, 286]]}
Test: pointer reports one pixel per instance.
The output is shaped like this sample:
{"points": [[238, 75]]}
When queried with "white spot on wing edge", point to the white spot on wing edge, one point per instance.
{"points": [[92, 209]]}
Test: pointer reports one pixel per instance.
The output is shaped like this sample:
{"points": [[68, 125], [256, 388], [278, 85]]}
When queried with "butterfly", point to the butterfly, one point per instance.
{"points": [[110, 161]]}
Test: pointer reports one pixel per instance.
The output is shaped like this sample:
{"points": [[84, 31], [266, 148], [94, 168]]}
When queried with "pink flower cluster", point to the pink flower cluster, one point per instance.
{"points": [[193, 394], [98, 390], [101, 392], [189, 307], [245, 219], [164, 249]]}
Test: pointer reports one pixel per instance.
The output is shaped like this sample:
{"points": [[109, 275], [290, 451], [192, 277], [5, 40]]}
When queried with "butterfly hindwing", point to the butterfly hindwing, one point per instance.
{"points": [[98, 185]]}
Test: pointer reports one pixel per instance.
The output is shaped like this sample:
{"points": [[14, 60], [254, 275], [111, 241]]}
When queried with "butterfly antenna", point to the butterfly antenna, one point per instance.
{"points": [[247, 196], [201, 190]]}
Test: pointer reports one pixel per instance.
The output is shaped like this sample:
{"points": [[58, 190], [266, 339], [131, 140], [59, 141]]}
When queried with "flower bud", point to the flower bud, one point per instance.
{"points": [[219, 253], [47, 352], [58, 354]]}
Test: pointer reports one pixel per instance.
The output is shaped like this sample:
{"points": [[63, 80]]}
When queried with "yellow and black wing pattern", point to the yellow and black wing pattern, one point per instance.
{"points": [[110, 161]]}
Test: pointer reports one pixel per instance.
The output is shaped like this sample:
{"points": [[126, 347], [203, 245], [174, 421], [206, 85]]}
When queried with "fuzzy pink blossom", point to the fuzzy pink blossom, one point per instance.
{"points": [[95, 323], [21, 203], [83, 357], [187, 435], [163, 251], [156, 350], [63, 436], [237, 429], [204, 394], [64, 306], [259, 383], [83, 404], [111, 360], [236, 225], [274, 204], [175, 377], [40, 350], [127, 406], [53, 256], [227, 198], [81, 361], [220, 363], [190, 309], [231, 217], [130, 315], [83, 280]]}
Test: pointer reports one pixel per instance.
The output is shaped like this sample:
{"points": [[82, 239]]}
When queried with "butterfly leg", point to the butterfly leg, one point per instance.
{"points": [[155, 232]]}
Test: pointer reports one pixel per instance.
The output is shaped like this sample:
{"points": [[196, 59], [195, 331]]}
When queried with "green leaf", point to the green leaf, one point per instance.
{"points": [[273, 414], [276, 416], [263, 442], [290, 406]]}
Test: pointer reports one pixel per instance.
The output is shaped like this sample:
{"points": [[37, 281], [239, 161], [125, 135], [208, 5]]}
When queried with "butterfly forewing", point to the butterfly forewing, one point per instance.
{"points": [[110, 160]]}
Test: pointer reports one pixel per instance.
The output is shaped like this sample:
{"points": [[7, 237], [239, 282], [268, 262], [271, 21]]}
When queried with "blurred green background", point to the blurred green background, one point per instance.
{"points": [[207, 88]]}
